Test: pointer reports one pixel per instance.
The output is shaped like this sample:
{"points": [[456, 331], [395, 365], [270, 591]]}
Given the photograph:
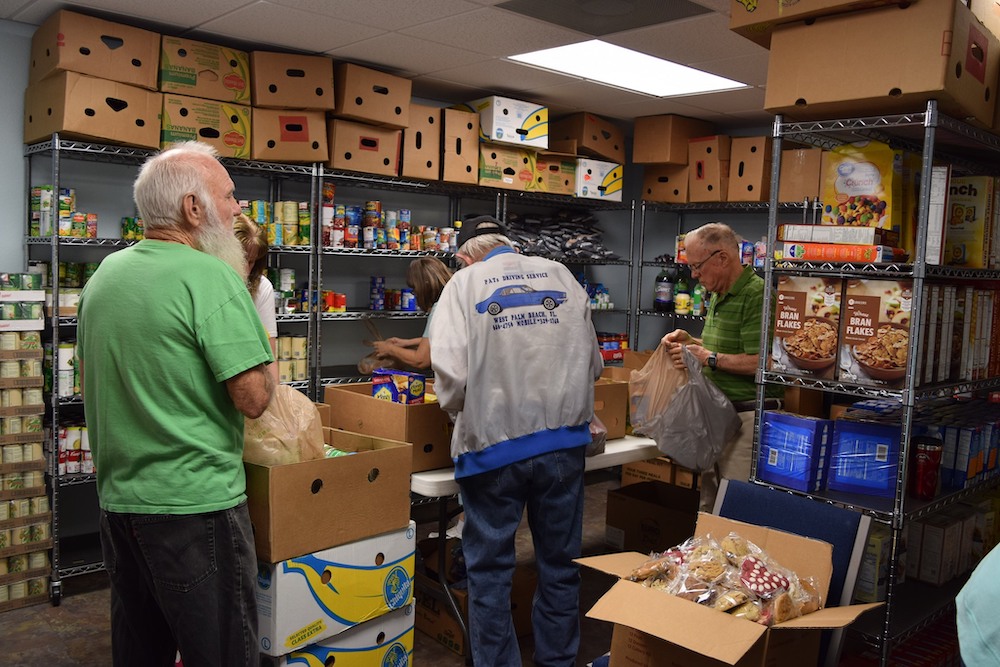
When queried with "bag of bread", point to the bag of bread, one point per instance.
{"points": [[289, 431]]}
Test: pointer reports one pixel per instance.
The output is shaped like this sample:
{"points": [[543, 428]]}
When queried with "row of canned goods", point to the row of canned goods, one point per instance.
{"points": [[389, 298], [22, 453], [20, 424], [21, 310], [19, 481], [20, 508], [35, 560], [16, 397], [35, 587], [293, 370], [20, 281], [74, 450], [20, 368], [20, 340], [292, 347], [76, 274], [35, 532]]}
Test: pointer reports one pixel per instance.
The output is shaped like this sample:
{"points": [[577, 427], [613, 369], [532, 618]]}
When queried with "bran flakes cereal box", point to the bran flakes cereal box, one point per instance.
{"points": [[806, 326], [863, 185], [875, 332]]}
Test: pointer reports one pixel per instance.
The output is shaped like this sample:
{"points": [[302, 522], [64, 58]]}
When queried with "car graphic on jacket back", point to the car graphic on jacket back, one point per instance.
{"points": [[519, 296]]}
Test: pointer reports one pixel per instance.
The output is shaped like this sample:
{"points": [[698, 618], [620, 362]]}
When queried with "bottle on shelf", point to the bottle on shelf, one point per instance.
{"points": [[699, 300], [682, 293], [663, 301]]}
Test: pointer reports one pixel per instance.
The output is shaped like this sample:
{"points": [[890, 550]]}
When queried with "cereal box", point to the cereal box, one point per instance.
{"points": [[397, 386], [969, 218], [875, 332], [806, 325], [863, 185]]}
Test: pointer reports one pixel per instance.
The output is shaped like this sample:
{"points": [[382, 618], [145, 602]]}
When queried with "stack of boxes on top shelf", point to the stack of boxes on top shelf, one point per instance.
{"points": [[335, 550], [25, 518]]}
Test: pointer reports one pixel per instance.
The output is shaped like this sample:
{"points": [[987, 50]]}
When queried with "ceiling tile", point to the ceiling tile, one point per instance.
{"points": [[749, 69], [385, 14], [502, 77], [600, 17], [407, 55], [699, 39], [494, 32], [178, 14]]}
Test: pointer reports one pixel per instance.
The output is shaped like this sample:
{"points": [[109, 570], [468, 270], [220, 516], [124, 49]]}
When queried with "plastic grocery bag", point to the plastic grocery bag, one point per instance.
{"points": [[371, 361], [652, 387], [598, 437], [697, 423], [289, 431]]}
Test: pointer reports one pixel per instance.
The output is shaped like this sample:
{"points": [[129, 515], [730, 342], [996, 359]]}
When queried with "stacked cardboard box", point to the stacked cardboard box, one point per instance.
{"points": [[661, 143]]}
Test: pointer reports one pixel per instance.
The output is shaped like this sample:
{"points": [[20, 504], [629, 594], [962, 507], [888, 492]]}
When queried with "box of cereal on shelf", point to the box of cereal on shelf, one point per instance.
{"points": [[862, 186], [806, 326], [875, 332]]}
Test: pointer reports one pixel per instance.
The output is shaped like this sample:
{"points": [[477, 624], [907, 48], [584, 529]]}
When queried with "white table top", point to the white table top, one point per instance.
{"points": [[441, 483]]}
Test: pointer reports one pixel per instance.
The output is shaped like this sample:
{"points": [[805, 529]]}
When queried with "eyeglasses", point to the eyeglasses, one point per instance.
{"points": [[697, 265]]}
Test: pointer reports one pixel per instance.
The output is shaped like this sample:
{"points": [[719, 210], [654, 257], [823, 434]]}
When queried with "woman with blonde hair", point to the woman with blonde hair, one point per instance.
{"points": [[427, 277], [254, 239]]}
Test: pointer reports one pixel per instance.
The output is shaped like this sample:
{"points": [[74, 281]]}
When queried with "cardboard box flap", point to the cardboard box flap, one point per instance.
{"points": [[829, 618], [678, 621], [619, 564]]}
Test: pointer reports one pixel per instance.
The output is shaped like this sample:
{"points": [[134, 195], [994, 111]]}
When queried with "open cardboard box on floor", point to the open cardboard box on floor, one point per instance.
{"points": [[653, 628], [300, 508]]}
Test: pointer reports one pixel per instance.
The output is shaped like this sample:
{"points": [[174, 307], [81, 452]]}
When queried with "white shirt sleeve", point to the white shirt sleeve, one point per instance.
{"points": [[264, 302]]}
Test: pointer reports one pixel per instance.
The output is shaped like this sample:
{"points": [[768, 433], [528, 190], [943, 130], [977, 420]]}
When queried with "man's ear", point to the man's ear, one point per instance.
{"points": [[192, 210]]}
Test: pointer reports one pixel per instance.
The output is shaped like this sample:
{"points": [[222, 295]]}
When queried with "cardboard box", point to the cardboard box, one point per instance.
{"points": [[364, 148], [310, 598], [291, 80], [372, 96], [611, 405], [85, 107], [508, 121], [708, 159], [555, 173], [803, 401], [656, 629], [200, 69], [650, 516], [800, 174], [460, 148], [385, 640], [422, 143], [757, 19], [225, 126], [73, 42], [425, 425], [664, 139], [304, 507], [839, 234], [942, 537], [902, 73], [806, 326], [324, 414], [665, 183], [660, 469], [595, 136], [433, 616], [750, 169], [506, 167], [287, 135], [599, 180], [636, 359]]}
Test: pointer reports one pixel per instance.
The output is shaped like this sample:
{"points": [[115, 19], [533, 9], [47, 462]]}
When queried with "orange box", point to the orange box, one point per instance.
{"points": [[594, 136], [372, 96], [460, 148], [750, 169], [665, 183], [291, 80], [800, 174], [289, 135], [422, 143], [708, 161], [364, 148], [664, 139]]}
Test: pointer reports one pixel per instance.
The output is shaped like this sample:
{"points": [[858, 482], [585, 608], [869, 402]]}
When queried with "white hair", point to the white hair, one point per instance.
{"points": [[478, 246], [167, 177]]}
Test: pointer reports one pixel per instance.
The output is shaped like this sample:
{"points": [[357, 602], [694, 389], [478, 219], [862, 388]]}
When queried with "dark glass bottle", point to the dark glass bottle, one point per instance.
{"points": [[663, 300]]}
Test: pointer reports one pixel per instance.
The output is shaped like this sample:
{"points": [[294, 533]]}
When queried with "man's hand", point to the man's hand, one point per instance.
{"points": [[674, 342]]}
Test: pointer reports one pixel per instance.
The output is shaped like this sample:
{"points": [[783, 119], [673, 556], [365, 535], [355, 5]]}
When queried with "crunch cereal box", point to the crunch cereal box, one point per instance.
{"points": [[806, 326], [863, 186], [875, 332], [969, 221]]}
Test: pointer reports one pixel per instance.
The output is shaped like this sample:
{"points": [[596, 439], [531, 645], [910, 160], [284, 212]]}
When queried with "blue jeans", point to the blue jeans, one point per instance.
{"points": [[182, 582], [551, 486]]}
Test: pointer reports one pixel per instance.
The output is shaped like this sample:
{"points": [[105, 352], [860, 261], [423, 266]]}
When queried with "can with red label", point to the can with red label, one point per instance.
{"points": [[926, 467]]}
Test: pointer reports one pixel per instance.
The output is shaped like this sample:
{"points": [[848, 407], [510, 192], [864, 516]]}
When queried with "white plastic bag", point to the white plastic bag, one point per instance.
{"points": [[289, 431]]}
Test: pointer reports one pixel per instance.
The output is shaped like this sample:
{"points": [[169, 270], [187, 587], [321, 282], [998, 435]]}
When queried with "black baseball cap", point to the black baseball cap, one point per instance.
{"points": [[479, 225]]}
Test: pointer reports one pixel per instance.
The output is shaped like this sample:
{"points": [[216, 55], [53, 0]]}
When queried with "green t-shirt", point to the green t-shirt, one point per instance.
{"points": [[732, 326], [161, 327]]}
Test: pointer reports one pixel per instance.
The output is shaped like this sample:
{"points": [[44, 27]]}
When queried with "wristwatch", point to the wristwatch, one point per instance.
{"points": [[713, 360]]}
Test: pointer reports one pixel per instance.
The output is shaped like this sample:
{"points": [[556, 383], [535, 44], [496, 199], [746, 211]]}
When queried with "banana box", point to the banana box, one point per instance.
{"points": [[507, 167], [598, 180], [225, 126], [509, 121], [386, 641], [201, 69], [308, 599]]}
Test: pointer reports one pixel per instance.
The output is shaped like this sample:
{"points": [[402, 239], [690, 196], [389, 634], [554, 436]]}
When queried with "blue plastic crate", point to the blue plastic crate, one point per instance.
{"points": [[794, 450], [865, 458]]}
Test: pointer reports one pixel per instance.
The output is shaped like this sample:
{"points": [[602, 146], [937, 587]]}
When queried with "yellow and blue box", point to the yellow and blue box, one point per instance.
{"points": [[308, 599], [389, 384], [865, 458], [794, 450], [598, 180], [509, 121], [383, 641]]}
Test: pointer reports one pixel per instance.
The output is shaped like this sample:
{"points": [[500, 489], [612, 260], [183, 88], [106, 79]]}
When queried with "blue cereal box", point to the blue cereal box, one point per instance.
{"points": [[794, 450], [389, 384], [865, 457]]}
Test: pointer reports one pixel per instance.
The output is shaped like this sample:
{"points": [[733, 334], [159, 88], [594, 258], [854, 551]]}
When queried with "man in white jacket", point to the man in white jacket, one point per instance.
{"points": [[515, 357]]}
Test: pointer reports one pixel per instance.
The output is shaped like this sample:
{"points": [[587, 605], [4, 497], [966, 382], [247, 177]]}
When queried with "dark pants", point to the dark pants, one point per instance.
{"points": [[182, 582]]}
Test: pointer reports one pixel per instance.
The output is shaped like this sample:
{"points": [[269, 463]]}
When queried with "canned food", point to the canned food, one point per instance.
{"points": [[9, 340], [38, 559], [284, 347]]}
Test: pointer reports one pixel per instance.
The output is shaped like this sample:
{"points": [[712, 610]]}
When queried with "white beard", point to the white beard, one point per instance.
{"points": [[217, 239]]}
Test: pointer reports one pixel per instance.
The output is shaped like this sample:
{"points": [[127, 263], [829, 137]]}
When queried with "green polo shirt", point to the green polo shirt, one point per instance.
{"points": [[732, 326]]}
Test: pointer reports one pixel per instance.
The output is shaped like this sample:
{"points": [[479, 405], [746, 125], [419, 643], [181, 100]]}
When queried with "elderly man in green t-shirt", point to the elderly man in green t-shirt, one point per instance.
{"points": [[729, 349]]}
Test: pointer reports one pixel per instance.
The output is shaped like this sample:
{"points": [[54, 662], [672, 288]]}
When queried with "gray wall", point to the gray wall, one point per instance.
{"points": [[15, 47]]}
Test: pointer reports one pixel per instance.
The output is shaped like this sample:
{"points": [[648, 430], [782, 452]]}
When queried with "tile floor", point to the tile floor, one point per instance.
{"points": [[76, 633]]}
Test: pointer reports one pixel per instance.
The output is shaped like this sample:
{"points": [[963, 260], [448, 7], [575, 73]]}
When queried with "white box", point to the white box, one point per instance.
{"points": [[939, 548], [386, 640], [598, 180], [307, 599], [509, 121]]}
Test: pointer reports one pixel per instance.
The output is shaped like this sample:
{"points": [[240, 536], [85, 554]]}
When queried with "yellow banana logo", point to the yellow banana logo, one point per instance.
{"points": [[396, 655], [535, 125], [612, 182], [750, 5], [352, 594]]}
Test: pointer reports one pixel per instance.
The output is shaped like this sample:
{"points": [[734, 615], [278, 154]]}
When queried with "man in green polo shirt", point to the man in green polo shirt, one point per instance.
{"points": [[729, 349]]}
